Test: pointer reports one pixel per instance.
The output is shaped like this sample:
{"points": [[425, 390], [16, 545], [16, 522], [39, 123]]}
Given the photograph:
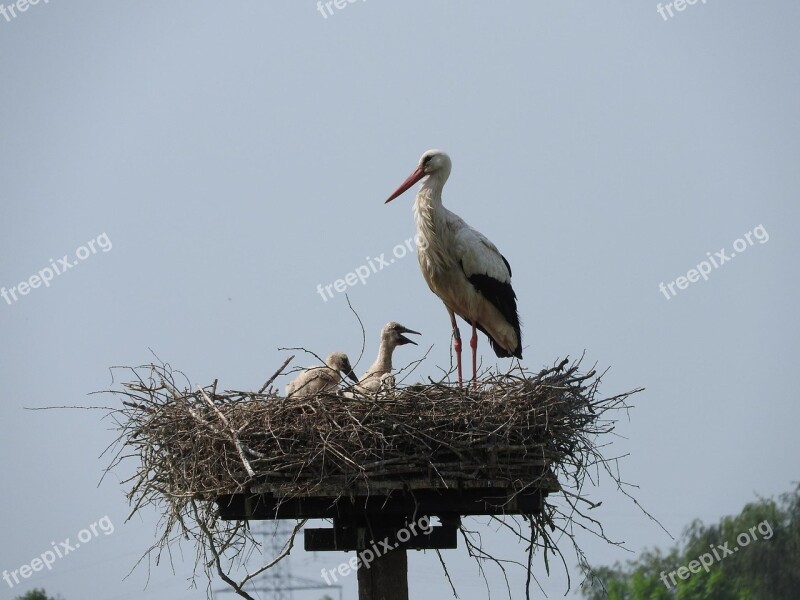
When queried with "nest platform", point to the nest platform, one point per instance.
{"points": [[369, 463]]}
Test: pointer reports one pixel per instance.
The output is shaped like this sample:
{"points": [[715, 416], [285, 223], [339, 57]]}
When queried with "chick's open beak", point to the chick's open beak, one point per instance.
{"points": [[404, 339]]}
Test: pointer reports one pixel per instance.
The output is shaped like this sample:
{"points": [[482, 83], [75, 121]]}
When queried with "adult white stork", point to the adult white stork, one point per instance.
{"points": [[317, 380], [380, 373], [462, 266]]}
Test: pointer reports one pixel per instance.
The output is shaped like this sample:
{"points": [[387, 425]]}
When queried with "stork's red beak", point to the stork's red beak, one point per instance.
{"points": [[412, 179]]}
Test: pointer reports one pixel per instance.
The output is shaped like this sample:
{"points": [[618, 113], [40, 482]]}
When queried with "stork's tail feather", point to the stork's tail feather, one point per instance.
{"points": [[502, 296], [499, 350]]}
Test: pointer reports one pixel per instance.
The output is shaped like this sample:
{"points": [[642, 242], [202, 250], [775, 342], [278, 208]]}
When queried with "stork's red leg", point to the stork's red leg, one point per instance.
{"points": [[473, 343], [456, 345]]}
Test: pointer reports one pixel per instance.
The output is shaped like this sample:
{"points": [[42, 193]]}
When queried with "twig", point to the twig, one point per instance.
{"points": [[234, 436], [275, 374]]}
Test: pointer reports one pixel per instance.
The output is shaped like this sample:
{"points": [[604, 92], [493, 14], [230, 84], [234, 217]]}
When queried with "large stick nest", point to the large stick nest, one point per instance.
{"points": [[519, 430], [203, 444]]}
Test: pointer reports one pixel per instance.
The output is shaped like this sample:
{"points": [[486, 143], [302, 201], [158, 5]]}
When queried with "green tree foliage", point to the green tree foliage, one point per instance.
{"points": [[752, 556], [35, 595]]}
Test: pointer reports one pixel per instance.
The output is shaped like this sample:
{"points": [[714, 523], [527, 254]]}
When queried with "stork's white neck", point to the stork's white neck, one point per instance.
{"points": [[432, 234], [384, 361], [429, 196], [433, 185]]}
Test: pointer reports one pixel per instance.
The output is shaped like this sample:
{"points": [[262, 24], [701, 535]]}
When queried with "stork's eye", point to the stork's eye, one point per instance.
{"points": [[427, 159]]}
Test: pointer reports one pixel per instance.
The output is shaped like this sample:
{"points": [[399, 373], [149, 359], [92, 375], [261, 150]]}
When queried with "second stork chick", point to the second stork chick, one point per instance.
{"points": [[379, 375], [319, 380]]}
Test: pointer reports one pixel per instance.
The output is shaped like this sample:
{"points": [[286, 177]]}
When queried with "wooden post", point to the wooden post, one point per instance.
{"points": [[385, 578]]}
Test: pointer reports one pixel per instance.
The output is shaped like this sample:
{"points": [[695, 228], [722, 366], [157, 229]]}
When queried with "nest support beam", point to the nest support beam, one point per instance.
{"points": [[383, 521], [386, 578], [380, 536], [382, 544], [404, 504]]}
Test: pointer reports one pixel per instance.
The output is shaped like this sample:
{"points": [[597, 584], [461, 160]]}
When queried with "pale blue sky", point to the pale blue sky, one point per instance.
{"points": [[238, 154]]}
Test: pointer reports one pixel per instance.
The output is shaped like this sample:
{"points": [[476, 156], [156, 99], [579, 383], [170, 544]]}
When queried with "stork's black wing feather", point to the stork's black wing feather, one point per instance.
{"points": [[503, 298]]}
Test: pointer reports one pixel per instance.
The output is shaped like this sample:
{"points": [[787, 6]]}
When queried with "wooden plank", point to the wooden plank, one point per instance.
{"points": [[360, 538], [334, 487], [490, 501]]}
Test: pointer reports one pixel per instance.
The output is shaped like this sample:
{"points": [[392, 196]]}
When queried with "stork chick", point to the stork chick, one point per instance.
{"points": [[318, 380], [379, 375]]}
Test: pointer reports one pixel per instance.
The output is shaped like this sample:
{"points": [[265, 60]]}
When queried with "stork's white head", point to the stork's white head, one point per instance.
{"points": [[392, 334], [433, 163]]}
